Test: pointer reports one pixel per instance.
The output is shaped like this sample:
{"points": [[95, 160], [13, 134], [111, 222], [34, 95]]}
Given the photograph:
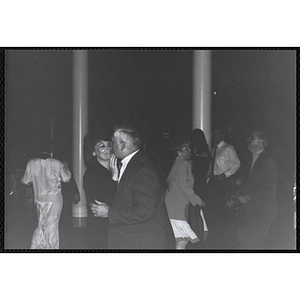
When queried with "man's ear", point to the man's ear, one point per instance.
{"points": [[122, 143], [94, 153]]}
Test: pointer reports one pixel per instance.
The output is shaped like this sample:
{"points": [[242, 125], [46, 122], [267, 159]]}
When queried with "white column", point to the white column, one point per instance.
{"points": [[202, 92], [80, 124]]}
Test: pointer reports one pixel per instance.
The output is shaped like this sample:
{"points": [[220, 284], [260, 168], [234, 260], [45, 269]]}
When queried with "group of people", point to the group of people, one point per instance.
{"points": [[132, 207]]}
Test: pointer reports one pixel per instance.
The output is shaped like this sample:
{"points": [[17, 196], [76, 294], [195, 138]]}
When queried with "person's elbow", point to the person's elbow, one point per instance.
{"points": [[25, 182], [67, 178], [144, 214]]}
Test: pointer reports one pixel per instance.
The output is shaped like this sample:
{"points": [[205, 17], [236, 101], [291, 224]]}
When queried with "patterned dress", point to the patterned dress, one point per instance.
{"points": [[46, 176]]}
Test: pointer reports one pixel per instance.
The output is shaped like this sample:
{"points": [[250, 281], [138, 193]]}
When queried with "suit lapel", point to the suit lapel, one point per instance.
{"points": [[257, 162], [128, 169]]}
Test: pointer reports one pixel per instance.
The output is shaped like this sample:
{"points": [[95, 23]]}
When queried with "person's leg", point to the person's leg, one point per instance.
{"points": [[213, 195], [51, 223], [251, 233], [205, 235], [257, 234], [211, 214], [242, 233], [35, 241], [196, 223], [181, 244]]}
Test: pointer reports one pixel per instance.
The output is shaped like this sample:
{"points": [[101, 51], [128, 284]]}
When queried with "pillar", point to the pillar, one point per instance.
{"points": [[202, 92], [80, 127]]}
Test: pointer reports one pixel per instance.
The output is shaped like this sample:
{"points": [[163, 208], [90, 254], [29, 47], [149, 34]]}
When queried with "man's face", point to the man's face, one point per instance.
{"points": [[218, 136], [116, 145], [254, 143]]}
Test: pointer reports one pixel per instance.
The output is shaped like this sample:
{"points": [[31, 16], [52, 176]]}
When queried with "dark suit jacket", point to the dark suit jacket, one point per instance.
{"points": [[261, 188], [138, 217]]}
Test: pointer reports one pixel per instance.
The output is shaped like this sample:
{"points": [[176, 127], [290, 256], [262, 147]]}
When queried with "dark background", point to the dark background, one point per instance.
{"points": [[250, 89]]}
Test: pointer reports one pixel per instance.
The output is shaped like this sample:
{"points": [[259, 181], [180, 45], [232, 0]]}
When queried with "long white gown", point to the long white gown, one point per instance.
{"points": [[46, 176]]}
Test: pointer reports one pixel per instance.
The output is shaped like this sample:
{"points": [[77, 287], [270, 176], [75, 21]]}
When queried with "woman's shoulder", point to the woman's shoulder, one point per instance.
{"points": [[184, 163], [94, 169], [54, 161], [35, 160]]}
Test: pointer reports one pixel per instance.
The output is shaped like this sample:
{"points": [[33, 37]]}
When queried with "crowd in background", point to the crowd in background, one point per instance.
{"points": [[203, 201]]}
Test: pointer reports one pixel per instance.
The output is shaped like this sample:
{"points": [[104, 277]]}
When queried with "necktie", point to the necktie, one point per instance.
{"points": [[119, 165]]}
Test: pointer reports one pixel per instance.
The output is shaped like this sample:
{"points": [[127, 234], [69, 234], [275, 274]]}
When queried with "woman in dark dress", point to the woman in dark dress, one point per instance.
{"points": [[200, 160], [100, 183]]}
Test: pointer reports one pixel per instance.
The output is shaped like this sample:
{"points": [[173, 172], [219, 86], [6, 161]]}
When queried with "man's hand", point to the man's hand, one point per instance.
{"points": [[100, 209], [234, 204], [220, 177], [243, 198], [230, 204]]}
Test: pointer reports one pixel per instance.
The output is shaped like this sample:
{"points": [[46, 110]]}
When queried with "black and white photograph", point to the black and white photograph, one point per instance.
{"points": [[150, 149]]}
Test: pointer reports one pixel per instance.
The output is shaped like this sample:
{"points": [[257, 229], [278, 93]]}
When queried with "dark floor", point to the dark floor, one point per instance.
{"points": [[20, 224]]}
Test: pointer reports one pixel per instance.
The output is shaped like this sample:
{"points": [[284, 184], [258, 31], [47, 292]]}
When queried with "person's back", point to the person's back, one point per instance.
{"points": [[46, 176]]}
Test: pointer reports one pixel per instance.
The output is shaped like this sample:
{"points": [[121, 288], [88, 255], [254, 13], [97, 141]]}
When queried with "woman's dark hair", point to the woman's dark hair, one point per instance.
{"points": [[91, 140], [178, 142], [44, 148], [198, 141]]}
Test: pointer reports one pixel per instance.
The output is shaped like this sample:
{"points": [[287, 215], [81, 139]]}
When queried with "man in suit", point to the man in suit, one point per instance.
{"points": [[138, 217], [257, 195]]}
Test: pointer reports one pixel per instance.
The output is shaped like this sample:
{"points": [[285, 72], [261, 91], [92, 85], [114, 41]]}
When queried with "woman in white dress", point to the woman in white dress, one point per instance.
{"points": [[181, 193], [46, 174]]}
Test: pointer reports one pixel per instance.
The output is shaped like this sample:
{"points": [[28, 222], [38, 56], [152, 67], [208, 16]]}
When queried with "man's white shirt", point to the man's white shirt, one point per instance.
{"points": [[125, 162], [226, 160]]}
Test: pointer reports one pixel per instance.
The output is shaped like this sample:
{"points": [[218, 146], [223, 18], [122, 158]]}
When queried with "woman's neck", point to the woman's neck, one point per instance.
{"points": [[181, 158], [203, 154], [200, 154], [104, 163]]}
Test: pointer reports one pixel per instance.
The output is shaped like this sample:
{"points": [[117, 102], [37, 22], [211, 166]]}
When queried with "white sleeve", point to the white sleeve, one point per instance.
{"points": [[65, 173], [234, 159], [27, 178]]}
